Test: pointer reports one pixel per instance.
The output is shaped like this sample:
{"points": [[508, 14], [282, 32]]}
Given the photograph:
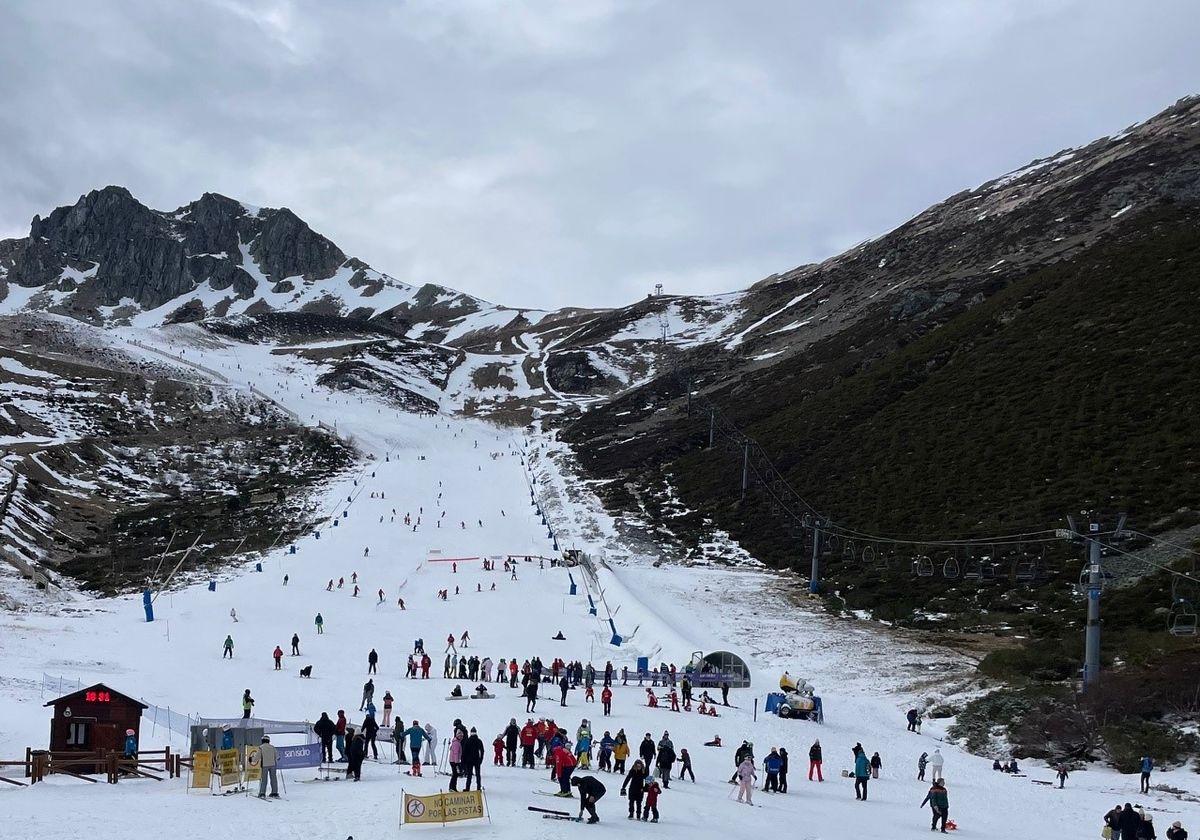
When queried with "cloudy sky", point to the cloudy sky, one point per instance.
{"points": [[577, 151]]}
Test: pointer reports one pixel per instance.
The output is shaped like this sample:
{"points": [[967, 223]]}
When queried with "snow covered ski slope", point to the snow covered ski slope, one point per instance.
{"points": [[466, 483]]}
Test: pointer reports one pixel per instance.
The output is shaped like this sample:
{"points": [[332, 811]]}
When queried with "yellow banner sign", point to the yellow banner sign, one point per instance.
{"points": [[228, 767], [444, 807], [253, 763], [202, 769]]}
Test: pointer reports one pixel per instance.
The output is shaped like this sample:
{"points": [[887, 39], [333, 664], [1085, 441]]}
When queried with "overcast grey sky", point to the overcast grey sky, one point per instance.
{"points": [[570, 152]]}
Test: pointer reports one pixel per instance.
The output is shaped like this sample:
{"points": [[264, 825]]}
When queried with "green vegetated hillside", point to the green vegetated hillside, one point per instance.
{"points": [[1075, 387]]}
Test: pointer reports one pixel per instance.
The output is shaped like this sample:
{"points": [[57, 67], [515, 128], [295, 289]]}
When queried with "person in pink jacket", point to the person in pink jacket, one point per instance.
{"points": [[456, 751], [746, 778]]}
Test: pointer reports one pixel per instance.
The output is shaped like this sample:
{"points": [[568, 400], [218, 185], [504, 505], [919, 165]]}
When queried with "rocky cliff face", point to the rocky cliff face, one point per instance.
{"points": [[109, 257]]}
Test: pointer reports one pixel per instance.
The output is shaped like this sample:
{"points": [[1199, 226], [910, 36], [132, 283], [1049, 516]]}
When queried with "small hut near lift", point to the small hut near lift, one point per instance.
{"points": [[93, 719]]}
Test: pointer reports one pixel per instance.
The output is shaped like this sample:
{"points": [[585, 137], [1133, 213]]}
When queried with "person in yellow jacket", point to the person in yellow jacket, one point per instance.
{"points": [[620, 752]]}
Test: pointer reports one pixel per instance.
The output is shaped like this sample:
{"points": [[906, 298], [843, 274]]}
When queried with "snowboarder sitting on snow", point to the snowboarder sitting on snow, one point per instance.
{"points": [[559, 637], [651, 700], [456, 691], [481, 691], [715, 742]]}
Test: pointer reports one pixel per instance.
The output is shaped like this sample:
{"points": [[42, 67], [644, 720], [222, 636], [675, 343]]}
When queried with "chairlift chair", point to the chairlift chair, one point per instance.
{"points": [[973, 568], [1183, 620], [951, 569], [923, 566], [848, 550], [1025, 570], [868, 554]]}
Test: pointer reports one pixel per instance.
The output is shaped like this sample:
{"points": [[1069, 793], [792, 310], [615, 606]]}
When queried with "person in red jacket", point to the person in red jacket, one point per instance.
{"points": [[564, 766], [528, 738], [426, 662], [606, 700], [278, 654], [498, 751]]}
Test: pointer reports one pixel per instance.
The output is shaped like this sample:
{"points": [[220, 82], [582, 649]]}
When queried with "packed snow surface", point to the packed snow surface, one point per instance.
{"points": [[469, 485]]}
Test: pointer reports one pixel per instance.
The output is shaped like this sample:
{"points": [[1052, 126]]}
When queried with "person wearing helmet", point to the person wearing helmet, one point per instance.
{"points": [[269, 759]]}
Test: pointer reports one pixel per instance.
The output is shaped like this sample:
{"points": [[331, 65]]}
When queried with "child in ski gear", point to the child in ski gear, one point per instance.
{"points": [[652, 792], [746, 778], [130, 743], [685, 767]]}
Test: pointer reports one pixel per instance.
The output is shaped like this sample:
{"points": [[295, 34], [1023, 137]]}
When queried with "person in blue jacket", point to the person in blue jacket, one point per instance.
{"points": [[227, 739], [862, 772], [130, 743], [1147, 766], [773, 763]]}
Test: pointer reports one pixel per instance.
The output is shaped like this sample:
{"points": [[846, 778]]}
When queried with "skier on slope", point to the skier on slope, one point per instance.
{"points": [[368, 694]]}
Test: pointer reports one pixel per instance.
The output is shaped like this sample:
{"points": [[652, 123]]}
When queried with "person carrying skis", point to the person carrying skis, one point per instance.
{"points": [[634, 787], [372, 662], [591, 790], [368, 694], [814, 761], [247, 704], [939, 802], [277, 654], [324, 730], [228, 648], [746, 778]]}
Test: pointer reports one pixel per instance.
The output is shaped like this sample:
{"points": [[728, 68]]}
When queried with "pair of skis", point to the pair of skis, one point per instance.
{"points": [[549, 814]]}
